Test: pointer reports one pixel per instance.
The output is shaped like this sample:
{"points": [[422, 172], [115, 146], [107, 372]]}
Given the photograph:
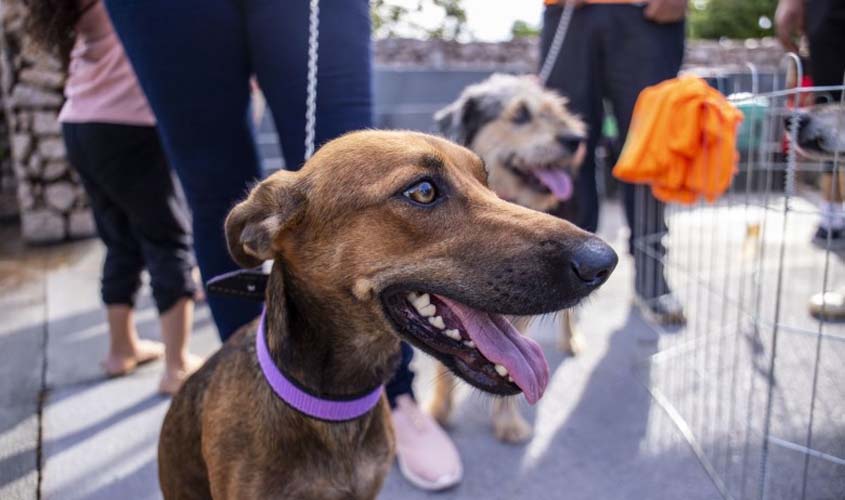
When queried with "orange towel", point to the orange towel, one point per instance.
{"points": [[682, 141]]}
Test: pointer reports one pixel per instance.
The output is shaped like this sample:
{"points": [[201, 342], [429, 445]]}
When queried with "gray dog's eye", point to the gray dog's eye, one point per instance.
{"points": [[422, 192], [521, 115]]}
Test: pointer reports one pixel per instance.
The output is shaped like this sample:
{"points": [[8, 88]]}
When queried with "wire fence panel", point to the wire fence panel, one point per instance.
{"points": [[754, 382]]}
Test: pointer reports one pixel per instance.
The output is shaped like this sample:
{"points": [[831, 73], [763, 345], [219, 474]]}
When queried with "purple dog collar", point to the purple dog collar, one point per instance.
{"points": [[313, 406]]}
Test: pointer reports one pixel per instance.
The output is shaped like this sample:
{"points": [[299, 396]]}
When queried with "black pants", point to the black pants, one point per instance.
{"points": [[612, 52], [825, 27], [139, 209]]}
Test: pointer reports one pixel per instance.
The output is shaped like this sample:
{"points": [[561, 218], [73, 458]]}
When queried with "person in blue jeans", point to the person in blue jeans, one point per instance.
{"points": [[194, 60]]}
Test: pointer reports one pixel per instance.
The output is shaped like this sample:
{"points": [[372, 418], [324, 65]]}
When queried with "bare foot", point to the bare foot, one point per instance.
{"points": [[116, 365], [172, 380]]}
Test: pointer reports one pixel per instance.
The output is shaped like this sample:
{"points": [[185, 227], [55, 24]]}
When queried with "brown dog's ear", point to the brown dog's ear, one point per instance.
{"points": [[255, 224]]}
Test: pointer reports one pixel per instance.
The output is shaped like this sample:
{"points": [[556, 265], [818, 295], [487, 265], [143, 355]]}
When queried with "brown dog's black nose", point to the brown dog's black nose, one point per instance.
{"points": [[593, 262], [570, 143]]}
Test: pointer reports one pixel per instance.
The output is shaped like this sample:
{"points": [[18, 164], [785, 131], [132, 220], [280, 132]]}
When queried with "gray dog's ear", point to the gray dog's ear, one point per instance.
{"points": [[254, 226], [448, 120], [461, 120]]}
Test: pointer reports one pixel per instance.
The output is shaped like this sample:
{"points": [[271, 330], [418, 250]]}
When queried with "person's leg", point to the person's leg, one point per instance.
{"points": [[575, 75], [825, 26], [123, 264], [344, 88], [344, 92], [403, 380], [192, 61], [137, 176], [278, 37], [640, 53], [832, 224], [426, 455], [179, 364]]}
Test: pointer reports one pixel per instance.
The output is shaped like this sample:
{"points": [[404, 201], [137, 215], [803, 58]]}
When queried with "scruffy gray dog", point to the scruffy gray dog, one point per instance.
{"points": [[821, 131], [532, 144], [533, 147]]}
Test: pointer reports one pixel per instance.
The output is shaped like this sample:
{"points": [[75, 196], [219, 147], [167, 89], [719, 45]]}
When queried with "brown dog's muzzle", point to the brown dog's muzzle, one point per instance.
{"points": [[507, 260], [537, 264]]}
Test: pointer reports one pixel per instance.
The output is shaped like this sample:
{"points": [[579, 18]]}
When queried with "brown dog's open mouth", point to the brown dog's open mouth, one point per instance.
{"points": [[552, 178], [482, 348]]}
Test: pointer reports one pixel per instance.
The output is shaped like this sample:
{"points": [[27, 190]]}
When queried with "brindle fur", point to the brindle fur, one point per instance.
{"points": [[340, 234], [483, 119]]}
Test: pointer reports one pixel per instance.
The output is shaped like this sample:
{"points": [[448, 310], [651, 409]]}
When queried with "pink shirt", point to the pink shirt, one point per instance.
{"points": [[101, 85]]}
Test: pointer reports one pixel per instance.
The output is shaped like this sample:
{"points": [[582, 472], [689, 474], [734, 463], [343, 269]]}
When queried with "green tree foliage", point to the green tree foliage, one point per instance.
{"points": [[521, 29], [393, 18], [731, 18]]}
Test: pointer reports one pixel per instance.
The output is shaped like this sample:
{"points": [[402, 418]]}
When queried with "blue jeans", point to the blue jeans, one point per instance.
{"points": [[194, 59]]}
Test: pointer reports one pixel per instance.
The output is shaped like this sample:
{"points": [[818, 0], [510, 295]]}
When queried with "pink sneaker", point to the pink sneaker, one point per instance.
{"points": [[427, 457]]}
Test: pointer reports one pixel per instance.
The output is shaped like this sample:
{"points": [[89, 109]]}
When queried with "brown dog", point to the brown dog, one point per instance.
{"points": [[373, 221], [533, 148]]}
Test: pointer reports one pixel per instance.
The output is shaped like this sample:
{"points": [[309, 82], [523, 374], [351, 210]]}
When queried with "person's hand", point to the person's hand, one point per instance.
{"points": [[789, 19], [666, 11]]}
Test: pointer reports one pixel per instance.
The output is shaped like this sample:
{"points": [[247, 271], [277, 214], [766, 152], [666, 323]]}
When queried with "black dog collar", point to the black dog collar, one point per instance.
{"points": [[245, 283]]}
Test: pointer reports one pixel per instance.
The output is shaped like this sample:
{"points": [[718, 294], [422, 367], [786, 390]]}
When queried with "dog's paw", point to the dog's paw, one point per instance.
{"points": [[512, 429], [573, 345]]}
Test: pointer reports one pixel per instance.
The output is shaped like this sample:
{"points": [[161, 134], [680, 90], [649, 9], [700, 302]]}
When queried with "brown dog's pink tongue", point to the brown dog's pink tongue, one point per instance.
{"points": [[500, 342], [558, 182]]}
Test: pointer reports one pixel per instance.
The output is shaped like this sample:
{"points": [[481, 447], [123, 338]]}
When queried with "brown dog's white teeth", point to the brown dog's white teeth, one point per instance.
{"points": [[437, 321], [420, 301], [427, 311], [412, 297], [501, 370], [510, 379], [469, 343], [452, 334]]}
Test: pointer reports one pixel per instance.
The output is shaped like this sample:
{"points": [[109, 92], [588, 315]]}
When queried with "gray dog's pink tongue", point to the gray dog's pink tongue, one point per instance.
{"points": [[558, 182], [500, 342]]}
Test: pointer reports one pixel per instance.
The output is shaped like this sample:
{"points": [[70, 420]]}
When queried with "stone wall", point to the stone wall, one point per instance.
{"points": [[53, 206], [521, 55]]}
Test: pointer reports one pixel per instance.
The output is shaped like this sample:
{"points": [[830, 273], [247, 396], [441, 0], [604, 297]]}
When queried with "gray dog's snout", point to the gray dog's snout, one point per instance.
{"points": [[570, 143], [593, 262]]}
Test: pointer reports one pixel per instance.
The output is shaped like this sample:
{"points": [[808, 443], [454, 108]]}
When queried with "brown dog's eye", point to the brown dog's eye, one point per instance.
{"points": [[422, 192]]}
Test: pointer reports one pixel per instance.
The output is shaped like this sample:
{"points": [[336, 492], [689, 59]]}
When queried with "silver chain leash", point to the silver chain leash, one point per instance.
{"points": [[311, 89], [557, 41]]}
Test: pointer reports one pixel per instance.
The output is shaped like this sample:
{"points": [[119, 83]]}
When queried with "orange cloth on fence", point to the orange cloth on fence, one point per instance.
{"points": [[682, 141]]}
